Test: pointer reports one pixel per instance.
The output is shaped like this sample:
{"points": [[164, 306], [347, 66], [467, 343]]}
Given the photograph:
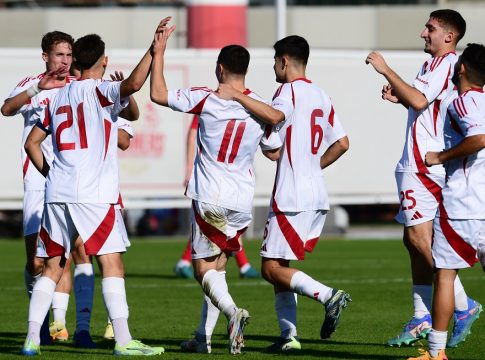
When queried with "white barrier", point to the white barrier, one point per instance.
{"points": [[152, 170]]}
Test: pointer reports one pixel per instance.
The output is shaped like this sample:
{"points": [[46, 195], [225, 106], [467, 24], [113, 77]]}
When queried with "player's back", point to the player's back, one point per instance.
{"points": [[310, 129], [85, 167]]}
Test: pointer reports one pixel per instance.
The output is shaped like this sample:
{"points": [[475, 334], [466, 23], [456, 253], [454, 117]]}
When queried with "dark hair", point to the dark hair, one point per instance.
{"points": [[235, 59], [55, 37], [294, 46], [473, 58], [450, 18], [87, 50]]}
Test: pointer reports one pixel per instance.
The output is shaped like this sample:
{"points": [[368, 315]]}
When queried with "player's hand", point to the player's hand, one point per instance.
{"points": [[432, 158], [226, 92], [163, 24], [387, 93], [117, 76], [161, 37], [188, 174], [377, 61], [54, 79]]}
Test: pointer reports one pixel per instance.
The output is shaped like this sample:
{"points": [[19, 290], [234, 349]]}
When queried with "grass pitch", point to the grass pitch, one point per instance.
{"points": [[164, 310]]}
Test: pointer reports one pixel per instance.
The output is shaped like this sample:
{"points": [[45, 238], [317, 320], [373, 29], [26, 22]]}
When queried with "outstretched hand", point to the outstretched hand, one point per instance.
{"points": [[377, 61], [54, 79], [226, 92], [117, 76]]}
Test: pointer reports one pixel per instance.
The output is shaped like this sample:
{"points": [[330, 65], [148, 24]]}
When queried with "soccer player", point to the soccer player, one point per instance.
{"points": [[26, 100], [460, 222], [183, 267], [82, 185], [222, 184], [313, 138], [419, 187]]}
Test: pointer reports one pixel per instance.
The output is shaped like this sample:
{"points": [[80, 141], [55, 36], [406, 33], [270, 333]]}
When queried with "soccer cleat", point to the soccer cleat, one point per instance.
{"points": [[235, 330], [58, 331], [463, 321], [333, 309], [424, 355], [250, 273], [284, 345], [196, 346], [414, 330], [184, 272], [82, 339], [29, 348], [137, 348], [109, 333]]}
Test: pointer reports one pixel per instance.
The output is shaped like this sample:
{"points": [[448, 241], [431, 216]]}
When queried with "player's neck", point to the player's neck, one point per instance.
{"points": [[91, 74], [465, 85], [445, 50], [237, 84]]}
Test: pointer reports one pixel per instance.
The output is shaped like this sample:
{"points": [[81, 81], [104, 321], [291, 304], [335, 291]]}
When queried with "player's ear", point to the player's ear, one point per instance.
{"points": [[450, 36], [45, 56], [105, 61]]}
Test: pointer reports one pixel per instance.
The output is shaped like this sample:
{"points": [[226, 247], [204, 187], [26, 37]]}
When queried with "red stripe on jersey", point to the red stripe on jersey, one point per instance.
{"points": [[292, 95], [26, 165], [47, 118], [221, 157], [290, 234], [216, 236], [288, 144], [23, 82], [203, 88], [331, 116], [107, 135], [310, 244], [278, 92], [431, 186], [454, 125], [197, 109], [51, 247], [460, 246], [456, 105], [101, 234], [462, 102], [436, 111], [103, 101], [417, 155], [236, 142]]}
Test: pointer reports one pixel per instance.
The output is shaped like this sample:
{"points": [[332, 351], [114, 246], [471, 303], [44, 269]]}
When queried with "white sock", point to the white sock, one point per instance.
{"points": [[244, 268], [285, 305], [83, 292], [437, 341], [215, 287], [208, 318], [461, 299], [182, 263], [114, 297], [60, 302], [303, 284], [40, 303], [422, 299], [30, 281]]}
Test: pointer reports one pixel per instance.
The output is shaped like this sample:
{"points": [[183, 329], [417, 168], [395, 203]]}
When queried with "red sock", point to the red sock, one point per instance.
{"points": [[241, 258], [187, 255]]}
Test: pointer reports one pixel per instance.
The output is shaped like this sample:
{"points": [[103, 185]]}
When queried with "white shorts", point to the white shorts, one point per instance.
{"points": [[289, 234], [33, 208], [97, 224], [216, 229], [419, 195], [121, 225], [455, 242]]}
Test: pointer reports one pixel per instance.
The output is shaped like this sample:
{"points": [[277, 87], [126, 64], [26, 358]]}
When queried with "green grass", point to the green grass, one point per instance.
{"points": [[164, 310]]}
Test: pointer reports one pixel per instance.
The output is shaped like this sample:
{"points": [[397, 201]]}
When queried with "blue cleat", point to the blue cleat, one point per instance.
{"points": [[463, 321], [29, 348], [414, 330], [82, 339], [250, 273], [184, 272], [333, 309]]}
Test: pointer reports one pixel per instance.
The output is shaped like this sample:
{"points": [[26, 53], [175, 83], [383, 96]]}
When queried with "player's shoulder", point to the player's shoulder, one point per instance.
{"points": [[469, 102], [445, 60], [255, 96], [29, 80], [203, 89]]}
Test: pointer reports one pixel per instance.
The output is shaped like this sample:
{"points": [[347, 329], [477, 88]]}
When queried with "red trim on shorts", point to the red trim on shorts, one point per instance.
{"points": [[461, 247], [100, 235], [291, 236], [216, 236], [432, 187], [310, 244], [51, 247]]}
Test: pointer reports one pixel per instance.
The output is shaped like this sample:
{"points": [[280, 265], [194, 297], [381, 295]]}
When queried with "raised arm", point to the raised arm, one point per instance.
{"points": [[469, 146], [336, 150], [131, 112], [407, 94], [259, 109], [34, 151]]}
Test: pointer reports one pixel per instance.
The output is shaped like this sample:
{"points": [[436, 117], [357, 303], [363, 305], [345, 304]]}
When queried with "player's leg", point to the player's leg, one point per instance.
{"points": [[183, 268], [84, 293], [60, 302]]}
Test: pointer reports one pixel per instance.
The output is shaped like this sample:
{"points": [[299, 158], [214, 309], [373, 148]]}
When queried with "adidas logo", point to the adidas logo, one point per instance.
{"points": [[417, 215]]}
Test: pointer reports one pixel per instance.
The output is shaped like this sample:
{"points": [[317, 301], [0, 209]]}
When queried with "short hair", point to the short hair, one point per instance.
{"points": [[53, 38], [450, 19], [473, 58], [235, 59], [87, 50], [294, 46]]}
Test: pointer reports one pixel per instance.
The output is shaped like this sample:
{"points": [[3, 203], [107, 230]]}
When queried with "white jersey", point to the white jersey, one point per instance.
{"points": [[125, 125], [424, 131], [311, 126], [32, 112], [464, 192], [228, 138], [82, 120]]}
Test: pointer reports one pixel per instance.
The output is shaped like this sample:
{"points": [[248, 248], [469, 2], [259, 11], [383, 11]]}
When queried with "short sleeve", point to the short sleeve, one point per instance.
{"points": [[109, 95], [471, 120], [188, 100], [283, 100], [437, 80], [271, 139], [334, 130], [125, 125]]}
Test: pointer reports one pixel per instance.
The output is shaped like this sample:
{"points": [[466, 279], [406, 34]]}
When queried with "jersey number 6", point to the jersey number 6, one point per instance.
{"points": [[316, 129]]}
